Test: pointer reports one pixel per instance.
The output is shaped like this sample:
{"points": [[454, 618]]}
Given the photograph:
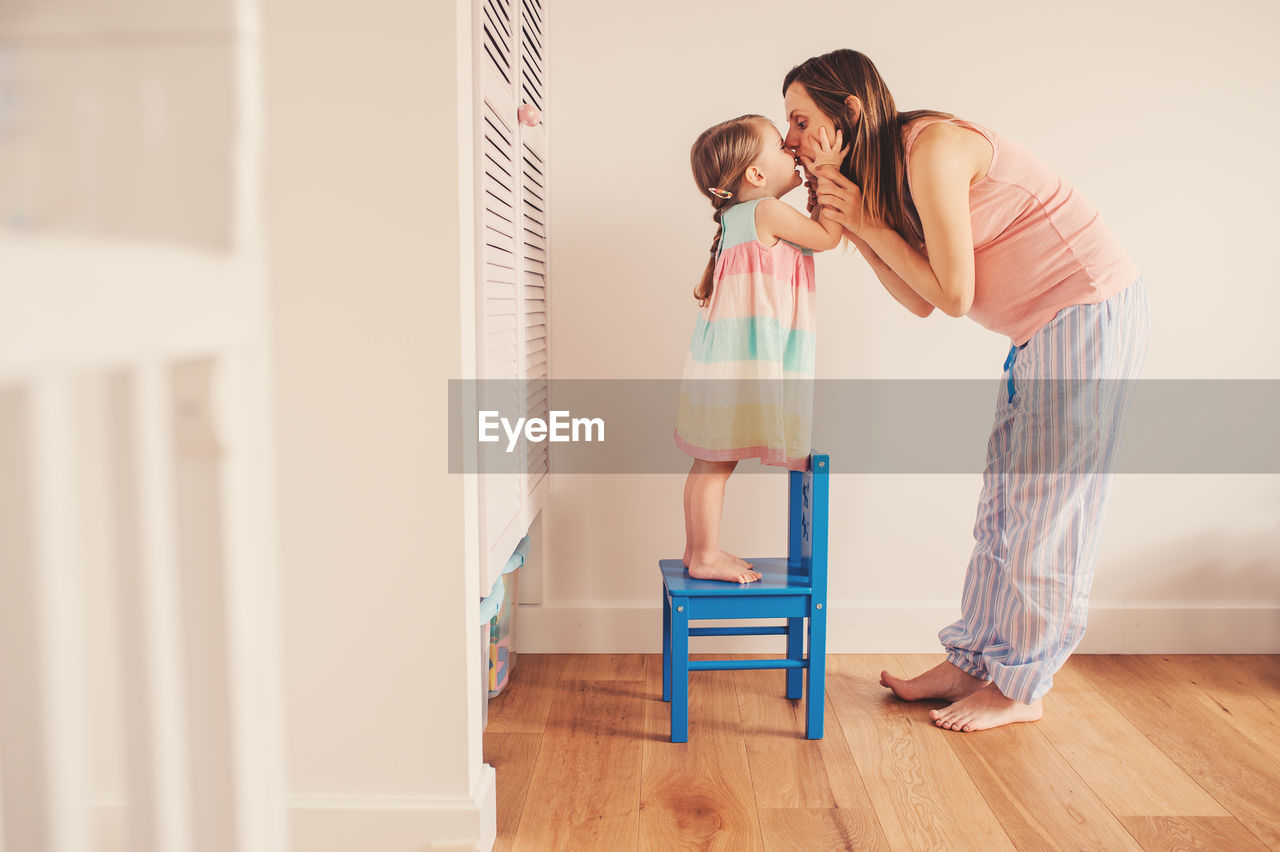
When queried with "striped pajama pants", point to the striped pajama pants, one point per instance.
{"points": [[1045, 491]]}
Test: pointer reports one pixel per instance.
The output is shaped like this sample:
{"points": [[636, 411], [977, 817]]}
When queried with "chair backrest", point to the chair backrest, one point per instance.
{"points": [[808, 498]]}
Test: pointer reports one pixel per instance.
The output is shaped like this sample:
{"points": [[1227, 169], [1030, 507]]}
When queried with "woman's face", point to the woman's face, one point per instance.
{"points": [[776, 162], [804, 120]]}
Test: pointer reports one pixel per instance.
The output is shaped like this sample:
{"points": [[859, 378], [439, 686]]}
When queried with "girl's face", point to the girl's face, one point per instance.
{"points": [[775, 162], [804, 121]]}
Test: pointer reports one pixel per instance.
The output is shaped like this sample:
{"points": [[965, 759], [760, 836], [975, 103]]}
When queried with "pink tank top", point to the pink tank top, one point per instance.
{"points": [[1038, 247]]}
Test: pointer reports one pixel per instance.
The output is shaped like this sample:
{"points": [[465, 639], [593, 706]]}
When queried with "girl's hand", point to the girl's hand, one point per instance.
{"points": [[829, 154], [841, 200]]}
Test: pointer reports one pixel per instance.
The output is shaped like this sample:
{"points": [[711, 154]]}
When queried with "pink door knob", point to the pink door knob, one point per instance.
{"points": [[529, 115]]}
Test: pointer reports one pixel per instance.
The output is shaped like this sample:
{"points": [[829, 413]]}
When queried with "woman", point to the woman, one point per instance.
{"points": [[953, 216]]}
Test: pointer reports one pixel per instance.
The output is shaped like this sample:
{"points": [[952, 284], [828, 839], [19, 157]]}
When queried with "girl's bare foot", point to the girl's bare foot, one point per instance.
{"points": [[942, 681], [983, 709], [742, 563], [721, 567]]}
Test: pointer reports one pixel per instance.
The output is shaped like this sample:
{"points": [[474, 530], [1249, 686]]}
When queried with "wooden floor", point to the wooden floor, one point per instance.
{"points": [[1150, 752]]}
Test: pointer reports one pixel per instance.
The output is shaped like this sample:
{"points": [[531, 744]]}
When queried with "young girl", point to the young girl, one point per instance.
{"points": [[747, 390]]}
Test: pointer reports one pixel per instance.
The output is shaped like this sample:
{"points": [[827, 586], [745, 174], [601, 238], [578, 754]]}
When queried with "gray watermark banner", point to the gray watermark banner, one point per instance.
{"points": [[878, 426]]}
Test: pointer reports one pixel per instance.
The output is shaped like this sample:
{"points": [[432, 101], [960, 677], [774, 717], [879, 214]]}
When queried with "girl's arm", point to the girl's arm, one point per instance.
{"points": [[940, 170], [778, 220]]}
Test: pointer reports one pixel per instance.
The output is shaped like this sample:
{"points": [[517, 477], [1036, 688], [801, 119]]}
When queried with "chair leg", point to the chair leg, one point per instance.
{"points": [[679, 670], [816, 701], [795, 651], [666, 644]]}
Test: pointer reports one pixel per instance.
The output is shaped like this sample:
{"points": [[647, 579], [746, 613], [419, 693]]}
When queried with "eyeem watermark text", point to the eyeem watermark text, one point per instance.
{"points": [[559, 429]]}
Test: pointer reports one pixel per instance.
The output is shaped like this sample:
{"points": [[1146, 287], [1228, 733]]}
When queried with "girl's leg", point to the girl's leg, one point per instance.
{"points": [[688, 528], [704, 502]]}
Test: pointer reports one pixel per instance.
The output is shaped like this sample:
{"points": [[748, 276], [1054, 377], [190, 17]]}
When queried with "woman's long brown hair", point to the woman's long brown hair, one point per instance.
{"points": [[876, 161], [720, 157]]}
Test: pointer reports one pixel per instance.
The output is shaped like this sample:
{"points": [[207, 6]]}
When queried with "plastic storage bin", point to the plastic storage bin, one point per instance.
{"points": [[489, 608], [502, 628]]}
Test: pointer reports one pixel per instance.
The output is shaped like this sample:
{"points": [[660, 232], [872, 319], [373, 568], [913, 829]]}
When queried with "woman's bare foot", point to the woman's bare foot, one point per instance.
{"points": [[942, 681], [983, 709], [742, 563], [722, 567]]}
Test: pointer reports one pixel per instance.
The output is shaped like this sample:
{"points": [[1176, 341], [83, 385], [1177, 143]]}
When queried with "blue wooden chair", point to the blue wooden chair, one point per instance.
{"points": [[794, 588]]}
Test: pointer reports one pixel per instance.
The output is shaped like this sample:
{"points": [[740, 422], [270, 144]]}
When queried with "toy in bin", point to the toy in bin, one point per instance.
{"points": [[488, 612], [502, 627]]}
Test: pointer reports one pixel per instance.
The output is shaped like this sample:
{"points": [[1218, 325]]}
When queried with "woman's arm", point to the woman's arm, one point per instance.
{"points": [[941, 168], [892, 281]]}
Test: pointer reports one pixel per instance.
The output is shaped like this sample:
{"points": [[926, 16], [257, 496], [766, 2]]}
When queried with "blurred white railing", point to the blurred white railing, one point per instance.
{"points": [[139, 618], [139, 688]]}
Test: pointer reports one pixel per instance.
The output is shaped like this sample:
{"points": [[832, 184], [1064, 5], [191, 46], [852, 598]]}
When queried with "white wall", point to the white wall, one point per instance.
{"points": [[1160, 115], [367, 167]]}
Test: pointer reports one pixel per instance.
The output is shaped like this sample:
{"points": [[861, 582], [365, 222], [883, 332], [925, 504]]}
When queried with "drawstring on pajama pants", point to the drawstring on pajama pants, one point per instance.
{"points": [[1008, 365]]}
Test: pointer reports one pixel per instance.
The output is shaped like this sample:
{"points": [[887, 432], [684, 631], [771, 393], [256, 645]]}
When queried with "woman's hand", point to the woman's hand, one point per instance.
{"points": [[841, 200]]}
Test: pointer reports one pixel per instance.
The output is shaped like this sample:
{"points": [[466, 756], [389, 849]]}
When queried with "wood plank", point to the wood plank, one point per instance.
{"points": [[525, 703], [1122, 767], [1233, 693], [1213, 834], [819, 829], [1266, 666], [604, 667], [512, 756], [787, 770], [1038, 798], [697, 794], [1072, 677], [1230, 767], [791, 772], [586, 779], [922, 795], [1265, 670]]}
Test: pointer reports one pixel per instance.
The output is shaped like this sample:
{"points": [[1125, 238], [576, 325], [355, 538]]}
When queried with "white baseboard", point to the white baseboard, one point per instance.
{"points": [[893, 627], [396, 823]]}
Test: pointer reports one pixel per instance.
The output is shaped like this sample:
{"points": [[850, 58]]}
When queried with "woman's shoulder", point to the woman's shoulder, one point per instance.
{"points": [[941, 129], [934, 138]]}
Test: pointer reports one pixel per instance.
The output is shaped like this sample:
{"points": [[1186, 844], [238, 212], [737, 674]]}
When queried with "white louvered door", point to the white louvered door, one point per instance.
{"points": [[512, 290], [533, 254]]}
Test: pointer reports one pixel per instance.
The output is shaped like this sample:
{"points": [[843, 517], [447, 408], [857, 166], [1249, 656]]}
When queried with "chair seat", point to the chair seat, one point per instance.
{"points": [[775, 579]]}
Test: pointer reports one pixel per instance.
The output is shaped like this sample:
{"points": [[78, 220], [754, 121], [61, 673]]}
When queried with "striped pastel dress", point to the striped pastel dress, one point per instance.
{"points": [[748, 380]]}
